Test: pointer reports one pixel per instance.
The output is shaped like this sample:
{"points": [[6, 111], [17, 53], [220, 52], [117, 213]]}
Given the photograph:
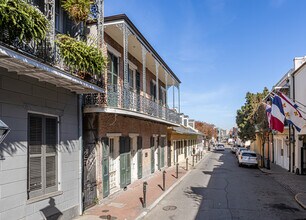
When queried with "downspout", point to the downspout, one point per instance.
{"points": [[293, 131], [80, 132]]}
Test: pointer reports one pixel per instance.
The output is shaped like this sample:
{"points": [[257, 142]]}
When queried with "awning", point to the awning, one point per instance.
{"points": [[16, 62]]}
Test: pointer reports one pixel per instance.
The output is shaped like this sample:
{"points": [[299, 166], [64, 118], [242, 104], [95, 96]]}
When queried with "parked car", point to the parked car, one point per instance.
{"points": [[234, 148], [239, 151], [248, 158], [219, 147]]}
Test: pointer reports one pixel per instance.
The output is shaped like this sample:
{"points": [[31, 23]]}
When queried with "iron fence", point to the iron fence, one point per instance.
{"points": [[125, 98]]}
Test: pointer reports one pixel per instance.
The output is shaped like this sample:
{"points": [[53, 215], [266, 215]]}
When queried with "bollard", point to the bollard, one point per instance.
{"points": [[196, 158], [187, 163], [144, 204], [177, 165], [109, 217], [193, 160], [164, 180]]}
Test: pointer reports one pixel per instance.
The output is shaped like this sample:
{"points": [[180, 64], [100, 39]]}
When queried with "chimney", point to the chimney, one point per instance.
{"points": [[298, 61]]}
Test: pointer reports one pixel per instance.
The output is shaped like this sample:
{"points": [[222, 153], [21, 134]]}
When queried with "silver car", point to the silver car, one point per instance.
{"points": [[248, 158]]}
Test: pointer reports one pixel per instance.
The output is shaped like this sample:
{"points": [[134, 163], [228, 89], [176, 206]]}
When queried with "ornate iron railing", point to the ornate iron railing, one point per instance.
{"points": [[125, 98]]}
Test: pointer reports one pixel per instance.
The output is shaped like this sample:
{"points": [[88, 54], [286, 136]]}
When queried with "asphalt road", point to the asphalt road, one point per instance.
{"points": [[218, 189]]}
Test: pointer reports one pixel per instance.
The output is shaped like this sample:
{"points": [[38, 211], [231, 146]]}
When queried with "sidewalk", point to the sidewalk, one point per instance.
{"points": [[128, 204], [296, 184]]}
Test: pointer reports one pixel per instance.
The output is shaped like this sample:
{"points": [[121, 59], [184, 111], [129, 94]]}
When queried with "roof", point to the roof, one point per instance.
{"points": [[186, 130], [136, 31]]}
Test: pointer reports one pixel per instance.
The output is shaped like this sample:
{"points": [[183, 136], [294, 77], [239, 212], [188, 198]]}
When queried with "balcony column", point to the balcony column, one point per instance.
{"points": [[166, 87], [50, 14], [157, 87], [179, 97], [144, 63], [126, 33], [100, 23], [173, 94]]}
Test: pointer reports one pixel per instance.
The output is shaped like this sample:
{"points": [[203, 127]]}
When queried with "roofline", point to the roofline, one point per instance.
{"points": [[134, 28]]}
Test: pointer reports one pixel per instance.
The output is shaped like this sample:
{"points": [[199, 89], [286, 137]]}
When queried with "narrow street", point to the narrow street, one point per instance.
{"points": [[218, 189]]}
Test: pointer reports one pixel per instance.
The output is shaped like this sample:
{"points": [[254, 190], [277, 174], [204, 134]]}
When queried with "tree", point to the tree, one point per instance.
{"points": [[250, 117], [206, 128]]}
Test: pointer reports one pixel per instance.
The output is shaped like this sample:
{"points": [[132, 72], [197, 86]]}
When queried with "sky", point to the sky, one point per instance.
{"points": [[220, 49]]}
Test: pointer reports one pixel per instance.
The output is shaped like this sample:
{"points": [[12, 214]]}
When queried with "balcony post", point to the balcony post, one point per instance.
{"points": [[179, 97], [50, 14], [144, 63], [100, 23], [126, 33], [173, 94], [157, 87], [166, 87]]}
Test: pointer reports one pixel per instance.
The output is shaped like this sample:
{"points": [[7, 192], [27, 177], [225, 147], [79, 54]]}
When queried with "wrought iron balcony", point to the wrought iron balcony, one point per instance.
{"points": [[126, 99]]}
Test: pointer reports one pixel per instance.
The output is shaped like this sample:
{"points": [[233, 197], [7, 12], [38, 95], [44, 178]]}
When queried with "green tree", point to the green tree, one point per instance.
{"points": [[251, 116]]}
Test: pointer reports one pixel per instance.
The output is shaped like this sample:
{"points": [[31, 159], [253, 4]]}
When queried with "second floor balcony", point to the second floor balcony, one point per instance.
{"points": [[128, 102]]}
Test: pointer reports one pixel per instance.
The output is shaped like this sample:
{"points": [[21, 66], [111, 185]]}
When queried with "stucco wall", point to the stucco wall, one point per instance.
{"points": [[20, 95]]}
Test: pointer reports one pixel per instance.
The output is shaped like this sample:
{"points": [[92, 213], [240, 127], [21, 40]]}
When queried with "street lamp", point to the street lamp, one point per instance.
{"points": [[4, 130]]}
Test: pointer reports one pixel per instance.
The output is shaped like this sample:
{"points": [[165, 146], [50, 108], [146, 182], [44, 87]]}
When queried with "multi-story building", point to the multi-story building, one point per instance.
{"points": [[40, 102], [126, 128], [184, 141]]}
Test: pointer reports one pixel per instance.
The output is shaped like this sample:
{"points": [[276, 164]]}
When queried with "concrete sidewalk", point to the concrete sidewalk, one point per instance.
{"points": [[296, 184], [129, 204]]}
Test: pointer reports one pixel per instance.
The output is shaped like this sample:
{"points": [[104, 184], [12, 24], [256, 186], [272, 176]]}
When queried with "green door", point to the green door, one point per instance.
{"points": [[105, 166], [125, 162], [139, 157], [152, 154], [162, 152]]}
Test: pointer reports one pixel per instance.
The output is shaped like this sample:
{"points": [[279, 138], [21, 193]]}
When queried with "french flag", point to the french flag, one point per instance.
{"points": [[277, 114]]}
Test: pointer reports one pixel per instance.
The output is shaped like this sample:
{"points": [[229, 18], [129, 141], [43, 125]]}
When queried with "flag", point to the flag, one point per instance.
{"points": [[292, 114], [277, 114], [268, 112]]}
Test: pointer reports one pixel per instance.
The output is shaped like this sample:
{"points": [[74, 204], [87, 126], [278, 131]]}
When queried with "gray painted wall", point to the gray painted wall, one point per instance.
{"points": [[18, 96]]}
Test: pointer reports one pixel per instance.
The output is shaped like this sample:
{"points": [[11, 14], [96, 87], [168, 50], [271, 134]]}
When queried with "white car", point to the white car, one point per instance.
{"points": [[219, 147], [248, 158], [239, 150]]}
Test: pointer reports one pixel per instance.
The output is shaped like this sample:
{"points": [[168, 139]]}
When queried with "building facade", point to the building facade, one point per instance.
{"points": [[126, 128]]}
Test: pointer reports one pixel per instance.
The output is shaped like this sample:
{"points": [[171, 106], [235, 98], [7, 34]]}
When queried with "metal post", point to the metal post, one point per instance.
{"points": [[187, 163], [177, 166], [193, 160], [144, 204], [196, 158], [164, 180], [268, 160]]}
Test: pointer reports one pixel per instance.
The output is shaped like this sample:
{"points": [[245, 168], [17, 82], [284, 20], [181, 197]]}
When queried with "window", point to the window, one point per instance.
{"points": [[153, 89], [112, 70], [131, 78], [42, 155]]}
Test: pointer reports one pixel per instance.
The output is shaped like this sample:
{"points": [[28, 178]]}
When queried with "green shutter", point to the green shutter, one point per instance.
{"points": [[139, 156], [105, 166]]}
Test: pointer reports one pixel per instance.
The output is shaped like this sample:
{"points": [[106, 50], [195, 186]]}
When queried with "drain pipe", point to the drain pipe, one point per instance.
{"points": [[80, 133]]}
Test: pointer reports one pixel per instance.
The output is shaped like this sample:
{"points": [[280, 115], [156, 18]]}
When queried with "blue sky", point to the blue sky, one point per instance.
{"points": [[220, 49]]}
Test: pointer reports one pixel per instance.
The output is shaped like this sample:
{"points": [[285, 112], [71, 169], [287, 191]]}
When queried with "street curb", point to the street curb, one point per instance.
{"points": [[298, 201], [144, 213]]}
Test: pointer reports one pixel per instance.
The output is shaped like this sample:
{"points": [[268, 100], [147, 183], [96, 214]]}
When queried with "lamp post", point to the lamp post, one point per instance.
{"points": [[4, 130]]}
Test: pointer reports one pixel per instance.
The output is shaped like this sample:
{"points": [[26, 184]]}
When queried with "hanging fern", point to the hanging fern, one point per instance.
{"points": [[78, 10], [79, 56], [23, 21]]}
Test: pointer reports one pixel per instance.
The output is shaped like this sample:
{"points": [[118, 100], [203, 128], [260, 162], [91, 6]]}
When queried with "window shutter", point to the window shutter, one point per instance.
{"points": [[127, 144], [139, 142], [138, 82], [122, 145]]}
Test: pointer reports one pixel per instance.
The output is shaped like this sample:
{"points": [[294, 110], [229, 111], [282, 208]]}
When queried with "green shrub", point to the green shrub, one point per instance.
{"points": [[22, 20], [78, 10], [79, 56]]}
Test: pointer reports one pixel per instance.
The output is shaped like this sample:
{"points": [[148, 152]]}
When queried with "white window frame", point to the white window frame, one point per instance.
{"points": [[114, 53], [45, 191], [133, 68]]}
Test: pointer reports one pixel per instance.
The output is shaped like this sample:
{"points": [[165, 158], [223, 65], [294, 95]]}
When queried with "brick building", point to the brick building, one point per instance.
{"points": [[126, 128]]}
